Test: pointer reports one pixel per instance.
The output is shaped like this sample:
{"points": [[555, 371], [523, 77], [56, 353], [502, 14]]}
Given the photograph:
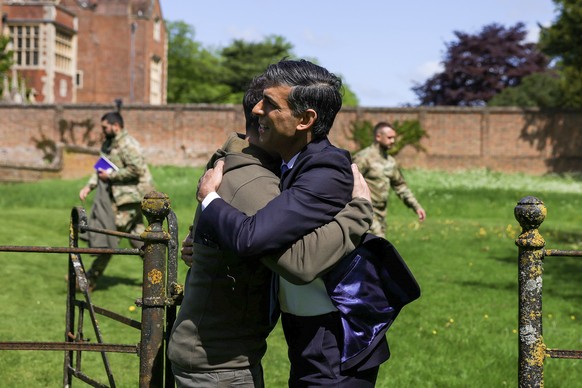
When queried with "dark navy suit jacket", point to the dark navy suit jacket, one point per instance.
{"points": [[312, 193]]}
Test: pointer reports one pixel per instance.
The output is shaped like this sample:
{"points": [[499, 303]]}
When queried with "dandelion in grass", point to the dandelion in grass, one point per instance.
{"points": [[511, 232], [486, 316], [482, 232], [573, 317], [434, 332]]}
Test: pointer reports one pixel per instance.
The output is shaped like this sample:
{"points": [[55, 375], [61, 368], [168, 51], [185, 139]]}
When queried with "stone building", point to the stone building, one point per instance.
{"points": [[88, 51]]}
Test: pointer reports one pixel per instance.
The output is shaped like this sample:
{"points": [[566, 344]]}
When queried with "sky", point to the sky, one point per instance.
{"points": [[381, 48]]}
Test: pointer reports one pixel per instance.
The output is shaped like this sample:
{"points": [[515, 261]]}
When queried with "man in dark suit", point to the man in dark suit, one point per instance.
{"points": [[299, 105]]}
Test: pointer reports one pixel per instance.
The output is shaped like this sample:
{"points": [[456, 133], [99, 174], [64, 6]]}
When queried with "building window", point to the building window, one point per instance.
{"points": [[64, 52], [156, 81], [25, 45], [63, 88], [79, 80], [157, 29]]}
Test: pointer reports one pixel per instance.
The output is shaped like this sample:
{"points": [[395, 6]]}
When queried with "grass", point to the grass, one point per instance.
{"points": [[461, 333]]}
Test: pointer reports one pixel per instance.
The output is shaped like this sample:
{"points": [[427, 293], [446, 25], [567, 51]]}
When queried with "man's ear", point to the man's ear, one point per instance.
{"points": [[307, 120]]}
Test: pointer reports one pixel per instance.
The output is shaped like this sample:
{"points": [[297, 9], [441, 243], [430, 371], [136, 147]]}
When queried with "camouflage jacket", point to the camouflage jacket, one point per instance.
{"points": [[382, 172], [133, 179]]}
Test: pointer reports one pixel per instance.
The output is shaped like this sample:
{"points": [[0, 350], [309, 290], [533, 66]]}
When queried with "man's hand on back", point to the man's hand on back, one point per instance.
{"points": [[187, 249], [361, 188], [210, 181]]}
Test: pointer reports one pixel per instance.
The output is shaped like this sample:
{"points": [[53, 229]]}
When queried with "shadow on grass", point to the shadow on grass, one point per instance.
{"points": [[556, 133], [506, 259], [562, 277], [559, 238], [106, 282], [506, 286], [562, 274]]}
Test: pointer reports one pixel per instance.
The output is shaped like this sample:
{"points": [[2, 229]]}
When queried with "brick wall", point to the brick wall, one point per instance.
{"points": [[63, 140], [115, 59]]}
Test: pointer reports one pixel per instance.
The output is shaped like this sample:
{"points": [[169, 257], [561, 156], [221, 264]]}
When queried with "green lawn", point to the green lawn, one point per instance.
{"points": [[462, 332]]}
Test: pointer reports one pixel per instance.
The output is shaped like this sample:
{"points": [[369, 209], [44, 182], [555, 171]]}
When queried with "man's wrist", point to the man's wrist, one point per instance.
{"points": [[209, 198]]}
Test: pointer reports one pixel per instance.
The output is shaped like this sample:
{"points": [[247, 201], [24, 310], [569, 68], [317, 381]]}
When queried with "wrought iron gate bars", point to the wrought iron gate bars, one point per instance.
{"points": [[160, 295]]}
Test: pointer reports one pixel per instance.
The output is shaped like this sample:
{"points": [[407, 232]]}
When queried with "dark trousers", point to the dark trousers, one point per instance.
{"points": [[314, 352]]}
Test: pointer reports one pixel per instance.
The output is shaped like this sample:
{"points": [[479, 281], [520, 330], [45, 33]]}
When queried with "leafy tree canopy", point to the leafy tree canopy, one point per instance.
{"points": [[198, 75], [244, 60], [535, 90], [349, 97], [562, 41], [477, 67], [194, 74]]}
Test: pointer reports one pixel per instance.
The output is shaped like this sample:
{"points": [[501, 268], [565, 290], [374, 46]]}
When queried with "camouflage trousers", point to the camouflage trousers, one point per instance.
{"points": [[379, 220], [128, 219]]}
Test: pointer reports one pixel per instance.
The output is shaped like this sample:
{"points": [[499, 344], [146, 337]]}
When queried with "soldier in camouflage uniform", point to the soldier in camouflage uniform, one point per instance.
{"points": [[117, 203], [382, 172]]}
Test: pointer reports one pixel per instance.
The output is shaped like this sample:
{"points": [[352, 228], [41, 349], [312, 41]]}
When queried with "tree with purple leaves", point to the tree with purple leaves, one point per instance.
{"points": [[477, 67]]}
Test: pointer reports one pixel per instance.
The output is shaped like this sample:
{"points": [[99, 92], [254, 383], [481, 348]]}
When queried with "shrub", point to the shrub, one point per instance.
{"points": [[409, 133]]}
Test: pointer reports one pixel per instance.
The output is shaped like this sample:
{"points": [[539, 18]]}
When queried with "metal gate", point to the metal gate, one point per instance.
{"points": [[530, 212], [160, 295]]}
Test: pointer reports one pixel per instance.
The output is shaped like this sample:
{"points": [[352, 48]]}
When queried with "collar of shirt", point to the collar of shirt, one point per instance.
{"points": [[291, 161]]}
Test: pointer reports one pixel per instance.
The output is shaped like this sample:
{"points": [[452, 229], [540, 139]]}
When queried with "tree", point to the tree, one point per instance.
{"points": [[242, 61], [541, 90], [477, 67], [349, 98], [197, 75], [194, 74], [562, 41]]}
